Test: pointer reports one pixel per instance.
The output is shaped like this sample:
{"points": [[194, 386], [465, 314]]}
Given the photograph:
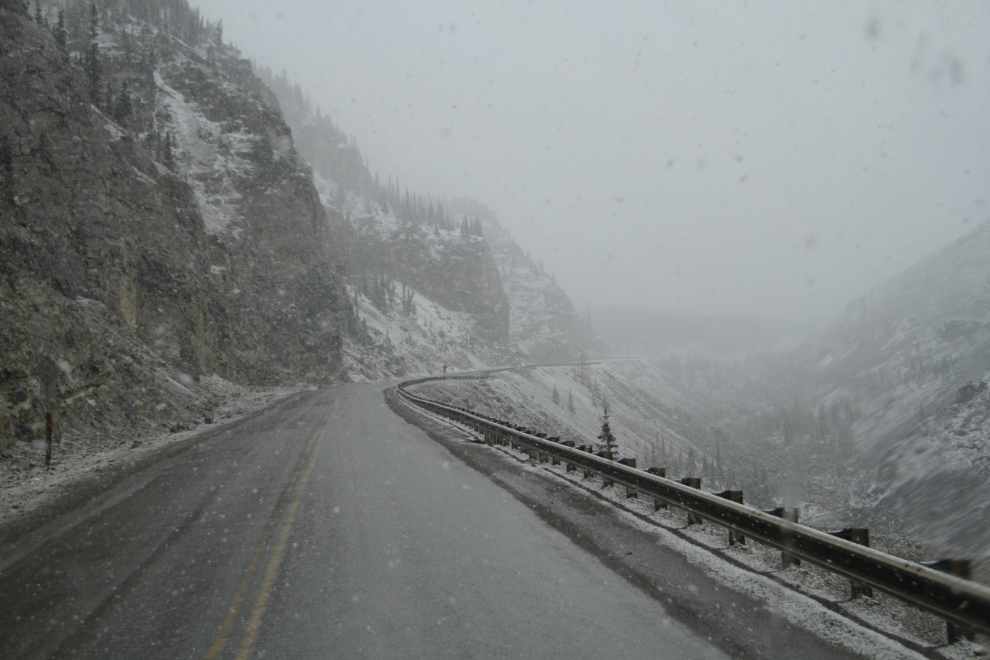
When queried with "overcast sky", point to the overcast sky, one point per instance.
{"points": [[776, 157]]}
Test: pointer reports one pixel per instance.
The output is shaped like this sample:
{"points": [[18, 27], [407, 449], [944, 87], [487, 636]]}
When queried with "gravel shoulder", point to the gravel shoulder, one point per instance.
{"points": [[82, 470]]}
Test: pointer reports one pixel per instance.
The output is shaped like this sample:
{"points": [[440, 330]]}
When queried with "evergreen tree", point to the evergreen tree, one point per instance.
{"points": [[59, 31], [122, 109], [556, 395], [37, 13], [94, 22], [570, 401], [606, 436], [6, 171], [92, 66]]}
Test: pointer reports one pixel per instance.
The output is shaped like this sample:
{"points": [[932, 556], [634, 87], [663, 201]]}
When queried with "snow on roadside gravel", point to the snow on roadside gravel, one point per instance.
{"points": [[881, 627], [25, 484]]}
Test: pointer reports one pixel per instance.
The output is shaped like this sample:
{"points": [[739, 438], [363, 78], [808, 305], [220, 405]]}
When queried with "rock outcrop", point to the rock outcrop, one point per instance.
{"points": [[184, 237], [432, 255]]}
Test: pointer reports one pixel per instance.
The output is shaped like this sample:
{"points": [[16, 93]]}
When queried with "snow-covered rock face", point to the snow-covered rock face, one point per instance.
{"points": [[212, 157], [135, 263], [544, 324], [493, 305]]}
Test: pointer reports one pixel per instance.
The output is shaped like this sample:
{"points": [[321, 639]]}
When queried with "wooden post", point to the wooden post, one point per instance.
{"points": [[789, 514], [692, 482], [47, 372], [629, 462], [660, 472], [737, 497], [861, 536], [606, 482]]}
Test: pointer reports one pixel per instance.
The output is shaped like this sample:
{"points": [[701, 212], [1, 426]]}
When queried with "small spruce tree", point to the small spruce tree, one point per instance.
{"points": [[556, 395], [570, 401], [94, 21], [108, 101], [606, 436]]}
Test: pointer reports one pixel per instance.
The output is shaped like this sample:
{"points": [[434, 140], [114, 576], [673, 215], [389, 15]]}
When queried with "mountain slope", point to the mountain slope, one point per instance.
{"points": [[915, 356]]}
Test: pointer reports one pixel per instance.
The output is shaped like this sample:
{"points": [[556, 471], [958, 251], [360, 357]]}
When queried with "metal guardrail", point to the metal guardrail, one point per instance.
{"points": [[958, 601]]}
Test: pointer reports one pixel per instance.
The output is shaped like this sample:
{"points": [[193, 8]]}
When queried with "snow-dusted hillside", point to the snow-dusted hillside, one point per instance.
{"points": [[415, 338], [915, 356], [648, 415], [544, 325]]}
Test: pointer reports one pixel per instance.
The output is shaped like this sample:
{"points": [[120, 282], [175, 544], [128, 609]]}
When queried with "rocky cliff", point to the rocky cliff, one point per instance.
{"points": [[151, 240], [544, 324], [452, 252], [395, 240]]}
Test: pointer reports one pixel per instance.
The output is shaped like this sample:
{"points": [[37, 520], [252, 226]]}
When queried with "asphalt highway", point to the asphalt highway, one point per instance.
{"points": [[329, 527]]}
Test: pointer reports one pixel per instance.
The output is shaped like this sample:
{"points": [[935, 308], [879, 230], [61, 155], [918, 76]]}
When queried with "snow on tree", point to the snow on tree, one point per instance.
{"points": [[606, 436], [556, 395]]}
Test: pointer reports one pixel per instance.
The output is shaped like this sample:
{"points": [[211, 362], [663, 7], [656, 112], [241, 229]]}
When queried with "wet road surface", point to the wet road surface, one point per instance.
{"points": [[326, 527]]}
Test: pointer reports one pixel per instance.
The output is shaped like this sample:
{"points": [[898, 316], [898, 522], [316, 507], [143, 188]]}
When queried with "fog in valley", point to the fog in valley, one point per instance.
{"points": [[771, 160]]}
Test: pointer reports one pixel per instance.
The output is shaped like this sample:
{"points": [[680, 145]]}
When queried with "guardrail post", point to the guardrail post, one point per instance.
{"points": [[660, 472], [542, 455], [692, 482], [553, 459], [737, 497], [961, 568], [589, 450], [861, 536], [606, 482], [567, 443], [629, 462], [790, 514]]}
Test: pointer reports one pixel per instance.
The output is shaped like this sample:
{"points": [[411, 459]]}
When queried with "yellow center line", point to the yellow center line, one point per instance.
{"points": [[272, 571], [220, 640]]}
